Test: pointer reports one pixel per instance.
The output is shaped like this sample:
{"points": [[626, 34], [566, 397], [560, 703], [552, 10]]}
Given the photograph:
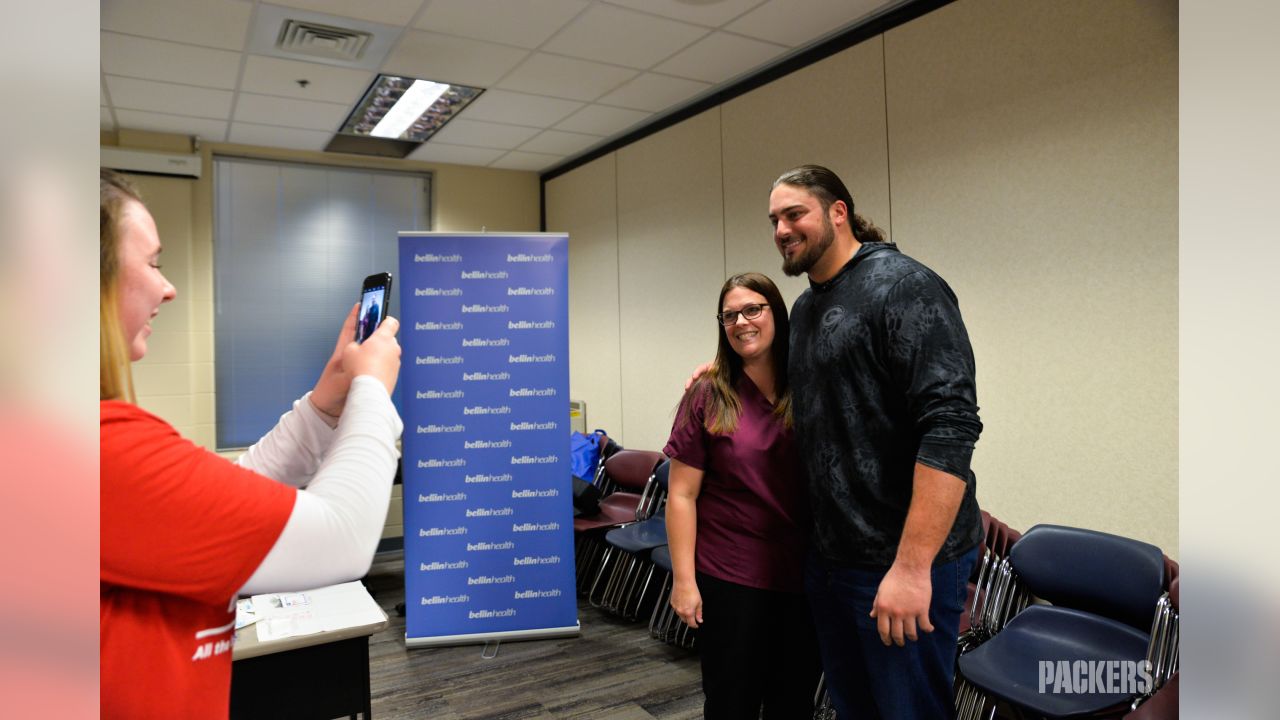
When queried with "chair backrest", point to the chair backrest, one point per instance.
{"points": [[1104, 574], [655, 498], [663, 474], [631, 469], [607, 445], [1170, 572]]}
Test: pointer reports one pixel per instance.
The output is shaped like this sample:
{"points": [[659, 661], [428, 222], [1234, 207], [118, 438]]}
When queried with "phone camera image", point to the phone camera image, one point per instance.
{"points": [[372, 307], [373, 304]]}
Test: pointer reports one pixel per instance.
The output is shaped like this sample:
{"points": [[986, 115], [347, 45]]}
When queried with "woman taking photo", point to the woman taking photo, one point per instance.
{"points": [[737, 517], [184, 531]]}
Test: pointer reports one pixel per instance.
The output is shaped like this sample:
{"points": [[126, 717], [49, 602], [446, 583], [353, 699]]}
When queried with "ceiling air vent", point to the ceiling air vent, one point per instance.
{"points": [[324, 41]]}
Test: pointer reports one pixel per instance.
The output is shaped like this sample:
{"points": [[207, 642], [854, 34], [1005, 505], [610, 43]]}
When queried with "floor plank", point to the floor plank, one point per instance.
{"points": [[613, 671]]}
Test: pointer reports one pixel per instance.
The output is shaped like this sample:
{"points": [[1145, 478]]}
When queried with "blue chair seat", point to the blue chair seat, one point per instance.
{"points": [[1009, 664], [661, 556], [639, 538]]}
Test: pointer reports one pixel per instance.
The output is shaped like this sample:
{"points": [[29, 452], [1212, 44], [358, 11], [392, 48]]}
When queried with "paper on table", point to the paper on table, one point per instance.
{"points": [[335, 607], [245, 615]]}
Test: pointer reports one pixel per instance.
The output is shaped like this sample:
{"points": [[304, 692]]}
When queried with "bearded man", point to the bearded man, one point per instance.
{"points": [[886, 417]]}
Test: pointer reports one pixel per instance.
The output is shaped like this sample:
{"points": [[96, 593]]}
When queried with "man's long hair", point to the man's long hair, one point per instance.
{"points": [[828, 188], [723, 404]]}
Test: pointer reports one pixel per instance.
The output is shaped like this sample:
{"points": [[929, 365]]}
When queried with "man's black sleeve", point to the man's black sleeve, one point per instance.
{"points": [[930, 359]]}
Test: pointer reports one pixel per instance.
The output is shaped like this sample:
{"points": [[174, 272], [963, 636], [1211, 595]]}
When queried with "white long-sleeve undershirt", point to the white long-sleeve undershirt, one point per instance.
{"points": [[344, 475]]}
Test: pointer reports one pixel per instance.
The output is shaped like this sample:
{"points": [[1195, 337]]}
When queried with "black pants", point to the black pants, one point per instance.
{"points": [[758, 649]]}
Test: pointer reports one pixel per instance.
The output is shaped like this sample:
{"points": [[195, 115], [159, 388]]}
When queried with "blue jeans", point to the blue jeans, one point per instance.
{"points": [[865, 678]]}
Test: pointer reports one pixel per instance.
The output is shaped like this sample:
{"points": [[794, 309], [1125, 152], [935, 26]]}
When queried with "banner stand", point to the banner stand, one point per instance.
{"points": [[488, 501]]}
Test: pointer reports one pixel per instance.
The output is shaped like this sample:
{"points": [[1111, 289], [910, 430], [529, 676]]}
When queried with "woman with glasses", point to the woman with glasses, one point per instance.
{"points": [[738, 519]]}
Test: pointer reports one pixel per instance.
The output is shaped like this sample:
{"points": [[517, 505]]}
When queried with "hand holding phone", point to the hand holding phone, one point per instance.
{"points": [[375, 296], [378, 357]]}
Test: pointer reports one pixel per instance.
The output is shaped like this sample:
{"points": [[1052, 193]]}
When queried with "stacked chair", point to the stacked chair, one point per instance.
{"points": [[664, 624], [986, 610], [622, 583], [1103, 589], [623, 478], [822, 707], [1162, 702]]}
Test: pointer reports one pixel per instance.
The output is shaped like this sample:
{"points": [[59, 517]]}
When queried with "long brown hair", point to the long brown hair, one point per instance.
{"points": [[723, 405], [827, 187], [115, 376]]}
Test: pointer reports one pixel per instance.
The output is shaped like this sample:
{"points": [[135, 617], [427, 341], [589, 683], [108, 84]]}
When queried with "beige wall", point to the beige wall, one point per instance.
{"points": [[667, 182], [175, 379], [1026, 151], [587, 200]]}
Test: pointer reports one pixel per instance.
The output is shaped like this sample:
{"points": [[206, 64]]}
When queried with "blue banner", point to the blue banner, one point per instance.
{"points": [[488, 501]]}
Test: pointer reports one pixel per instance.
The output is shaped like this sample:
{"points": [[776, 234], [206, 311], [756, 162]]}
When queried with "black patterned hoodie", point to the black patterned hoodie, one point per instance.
{"points": [[882, 377]]}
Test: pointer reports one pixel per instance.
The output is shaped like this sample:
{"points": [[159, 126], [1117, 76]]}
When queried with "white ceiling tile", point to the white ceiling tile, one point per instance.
{"points": [[565, 77], [623, 37], [519, 109], [556, 142], [211, 130], [602, 120], [275, 76], [288, 112], [432, 56], [719, 57], [654, 92], [387, 12], [524, 23], [794, 24], [106, 123], [518, 160], [213, 23], [169, 62], [134, 94], [713, 14], [476, 133], [432, 151], [281, 137]]}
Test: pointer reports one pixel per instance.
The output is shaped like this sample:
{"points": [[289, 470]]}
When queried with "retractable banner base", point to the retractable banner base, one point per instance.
{"points": [[488, 498], [482, 638]]}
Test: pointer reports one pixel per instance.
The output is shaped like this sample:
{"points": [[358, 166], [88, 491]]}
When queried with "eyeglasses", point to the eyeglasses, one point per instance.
{"points": [[750, 312]]}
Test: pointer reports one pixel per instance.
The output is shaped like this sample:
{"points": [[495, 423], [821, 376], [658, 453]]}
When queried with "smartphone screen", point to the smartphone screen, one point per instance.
{"points": [[374, 297]]}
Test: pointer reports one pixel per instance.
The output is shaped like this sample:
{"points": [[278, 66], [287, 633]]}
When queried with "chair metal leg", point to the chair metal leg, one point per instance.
{"points": [[618, 583], [585, 553], [627, 587], [600, 572], [632, 592], [964, 700], [644, 590], [658, 606], [609, 598]]}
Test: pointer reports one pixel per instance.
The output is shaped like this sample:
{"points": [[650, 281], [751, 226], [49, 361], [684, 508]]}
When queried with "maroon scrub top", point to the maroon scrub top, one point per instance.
{"points": [[753, 507]]}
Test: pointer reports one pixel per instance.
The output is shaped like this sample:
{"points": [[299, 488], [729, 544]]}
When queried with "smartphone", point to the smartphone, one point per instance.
{"points": [[375, 296]]}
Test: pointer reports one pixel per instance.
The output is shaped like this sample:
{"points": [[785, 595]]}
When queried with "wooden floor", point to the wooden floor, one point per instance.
{"points": [[613, 671]]}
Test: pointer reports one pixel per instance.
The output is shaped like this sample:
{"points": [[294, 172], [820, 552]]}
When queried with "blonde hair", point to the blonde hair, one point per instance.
{"points": [[115, 374]]}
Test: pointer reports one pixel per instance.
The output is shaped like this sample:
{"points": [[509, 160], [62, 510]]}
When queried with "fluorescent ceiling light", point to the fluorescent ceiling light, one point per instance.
{"points": [[415, 101], [406, 110]]}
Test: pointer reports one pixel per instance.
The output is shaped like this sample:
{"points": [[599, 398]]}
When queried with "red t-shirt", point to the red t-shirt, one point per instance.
{"points": [[182, 531], [753, 506]]}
